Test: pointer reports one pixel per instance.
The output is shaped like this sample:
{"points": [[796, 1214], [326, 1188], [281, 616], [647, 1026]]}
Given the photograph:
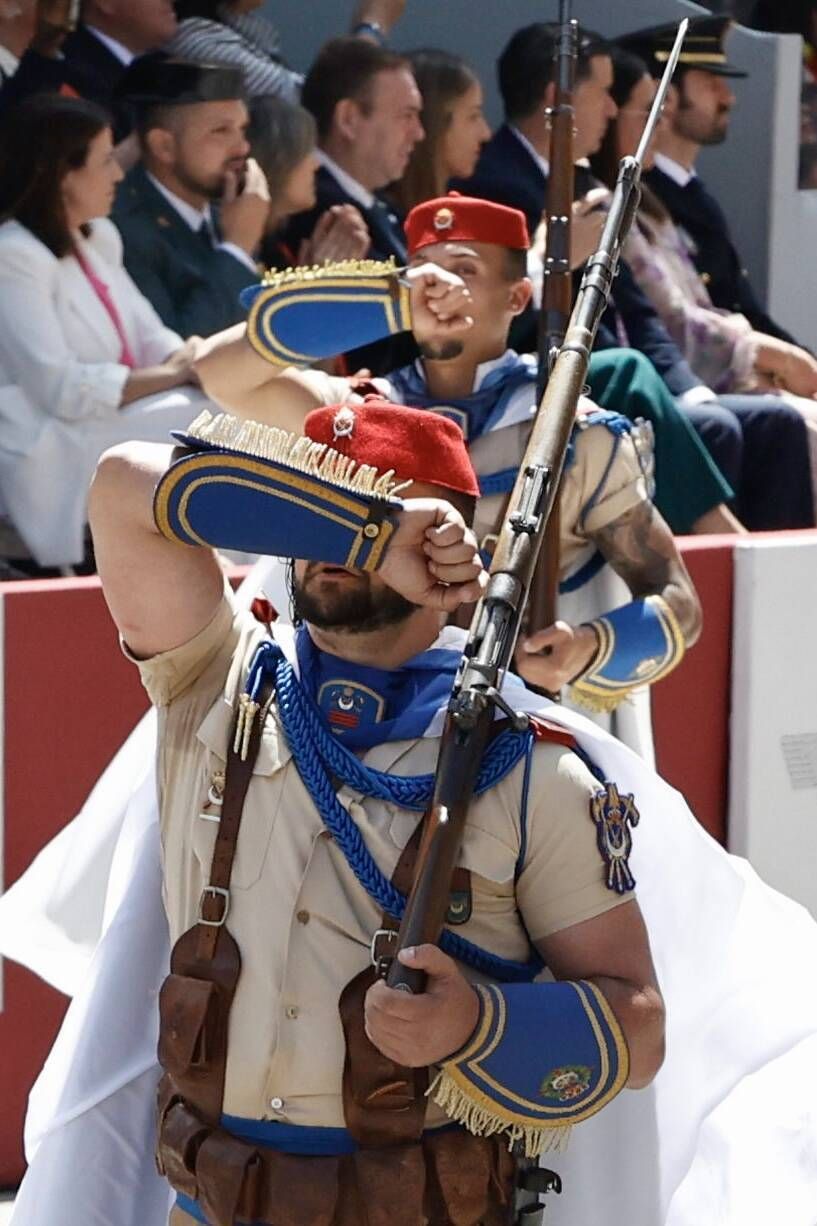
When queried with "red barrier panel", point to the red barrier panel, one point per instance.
{"points": [[690, 708], [71, 698]]}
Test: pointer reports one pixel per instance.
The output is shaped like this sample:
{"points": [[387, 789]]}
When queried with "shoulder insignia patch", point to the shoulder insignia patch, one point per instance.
{"points": [[615, 815]]}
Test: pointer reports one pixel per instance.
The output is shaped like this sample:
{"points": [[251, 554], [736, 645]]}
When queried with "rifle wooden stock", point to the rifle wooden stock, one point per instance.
{"points": [[496, 621], [557, 283]]}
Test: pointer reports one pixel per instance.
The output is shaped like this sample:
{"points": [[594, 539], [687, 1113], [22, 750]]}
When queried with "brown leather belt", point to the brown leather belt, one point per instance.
{"points": [[450, 1178]]}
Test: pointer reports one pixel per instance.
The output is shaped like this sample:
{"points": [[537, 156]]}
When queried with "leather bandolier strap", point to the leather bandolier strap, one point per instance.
{"points": [[400, 1176]]}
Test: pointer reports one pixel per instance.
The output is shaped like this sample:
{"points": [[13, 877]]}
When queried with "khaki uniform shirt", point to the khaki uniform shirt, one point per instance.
{"points": [[302, 922], [604, 480]]}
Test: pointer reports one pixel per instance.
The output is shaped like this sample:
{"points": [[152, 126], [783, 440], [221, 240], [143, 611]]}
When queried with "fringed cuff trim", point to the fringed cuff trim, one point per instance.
{"points": [[638, 645], [544, 1056]]}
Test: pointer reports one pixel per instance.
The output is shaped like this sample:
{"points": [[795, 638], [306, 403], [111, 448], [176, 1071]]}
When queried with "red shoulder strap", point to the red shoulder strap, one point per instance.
{"points": [[548, 730]]}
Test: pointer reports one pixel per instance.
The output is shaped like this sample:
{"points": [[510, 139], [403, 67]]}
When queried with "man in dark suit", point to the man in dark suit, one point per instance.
{"points": [[192, 213], [367, 108], [514, 168], [697, 114]]}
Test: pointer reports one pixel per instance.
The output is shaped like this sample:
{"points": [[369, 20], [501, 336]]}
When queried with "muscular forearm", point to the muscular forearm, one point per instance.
{"points": [[160, 593], [640, 1014], [243, 382], [641, 549]]}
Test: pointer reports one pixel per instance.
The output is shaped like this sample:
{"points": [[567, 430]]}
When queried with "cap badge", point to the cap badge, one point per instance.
{"points": [[443, 219], [344, 424]]}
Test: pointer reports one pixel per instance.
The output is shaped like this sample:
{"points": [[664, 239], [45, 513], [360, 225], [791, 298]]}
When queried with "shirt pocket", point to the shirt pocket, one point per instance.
{"points": [[261, 805]]}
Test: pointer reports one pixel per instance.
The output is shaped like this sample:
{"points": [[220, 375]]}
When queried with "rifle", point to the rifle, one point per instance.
{"points": [[557, 284], [495, 625]]}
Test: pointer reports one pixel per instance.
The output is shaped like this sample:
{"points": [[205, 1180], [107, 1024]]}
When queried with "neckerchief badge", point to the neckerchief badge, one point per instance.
{"points": [[615, 815], [348, 704]]}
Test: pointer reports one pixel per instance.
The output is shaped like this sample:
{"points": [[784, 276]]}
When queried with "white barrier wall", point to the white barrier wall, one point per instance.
{"points": [[773, 759]]}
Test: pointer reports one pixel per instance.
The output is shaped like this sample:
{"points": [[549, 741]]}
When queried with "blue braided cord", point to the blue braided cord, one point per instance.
{"points": [[407, 791], [350, 841]]}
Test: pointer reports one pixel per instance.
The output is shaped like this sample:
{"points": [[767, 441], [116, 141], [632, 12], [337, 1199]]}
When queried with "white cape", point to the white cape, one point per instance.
{"points": [[726, 1135]]}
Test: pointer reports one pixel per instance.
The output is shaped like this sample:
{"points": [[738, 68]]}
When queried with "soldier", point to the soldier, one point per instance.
{"points": [[469, 256], [273, 913]]}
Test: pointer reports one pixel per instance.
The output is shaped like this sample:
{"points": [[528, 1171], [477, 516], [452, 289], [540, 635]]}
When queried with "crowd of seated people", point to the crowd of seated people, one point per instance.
{"points": [[154, 157]]}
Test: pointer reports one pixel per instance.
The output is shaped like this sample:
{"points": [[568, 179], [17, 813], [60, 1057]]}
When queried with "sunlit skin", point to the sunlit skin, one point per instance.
{"points": [[697, 113], [372, 137], [143, 26], [203, 152], [632, 115], [494, 303], [593, 107], [466, 133], [89, 191]]}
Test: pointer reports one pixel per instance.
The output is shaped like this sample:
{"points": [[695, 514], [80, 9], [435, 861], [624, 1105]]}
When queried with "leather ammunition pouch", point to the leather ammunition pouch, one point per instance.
{"points": [[448, 1178], [400, 1176]]}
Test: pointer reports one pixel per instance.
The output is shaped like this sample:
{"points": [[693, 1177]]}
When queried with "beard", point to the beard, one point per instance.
{"points": [[441, 351], [354, 608], [712, 131]]}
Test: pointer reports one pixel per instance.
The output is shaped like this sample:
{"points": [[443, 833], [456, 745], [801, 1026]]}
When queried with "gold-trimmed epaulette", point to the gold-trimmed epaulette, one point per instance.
{"points": [[298, 316]]}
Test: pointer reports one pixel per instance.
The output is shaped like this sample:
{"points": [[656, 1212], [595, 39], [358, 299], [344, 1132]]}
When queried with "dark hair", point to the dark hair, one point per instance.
{"points": [[526, 67], [41, 140], [345, 68], [281, 134], [441, 78], [208, 9], [628, 70]]}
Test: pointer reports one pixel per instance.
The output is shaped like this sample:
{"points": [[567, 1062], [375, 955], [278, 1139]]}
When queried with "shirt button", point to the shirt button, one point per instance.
{"points": [[303, 917], [276, 1103], [292, 1012]]}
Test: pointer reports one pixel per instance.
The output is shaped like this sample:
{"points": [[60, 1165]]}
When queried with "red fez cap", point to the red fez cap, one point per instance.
{"points": [[456, 218], [419, 444]]}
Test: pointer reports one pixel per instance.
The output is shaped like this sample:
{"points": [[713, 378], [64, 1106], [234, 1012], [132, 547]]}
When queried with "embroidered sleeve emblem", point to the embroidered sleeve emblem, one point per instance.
{"points": [[615, 816]]}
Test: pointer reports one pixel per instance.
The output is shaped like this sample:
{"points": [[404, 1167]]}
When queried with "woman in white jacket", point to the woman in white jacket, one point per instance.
{"points": [[85, 361]]}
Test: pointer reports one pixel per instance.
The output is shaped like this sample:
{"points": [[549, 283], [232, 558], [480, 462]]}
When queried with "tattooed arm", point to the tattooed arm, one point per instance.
{"points": [[641, 549]]}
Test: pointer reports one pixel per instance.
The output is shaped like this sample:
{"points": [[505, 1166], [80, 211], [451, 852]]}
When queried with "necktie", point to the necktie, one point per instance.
{"points": [[205, 234], [386, 231]]}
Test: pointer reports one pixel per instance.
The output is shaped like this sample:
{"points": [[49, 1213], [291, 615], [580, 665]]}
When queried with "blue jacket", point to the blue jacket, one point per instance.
{"points": [[507, 173]]}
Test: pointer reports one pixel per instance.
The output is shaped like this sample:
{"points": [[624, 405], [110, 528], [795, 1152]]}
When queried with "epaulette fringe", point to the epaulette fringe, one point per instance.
{"points": [[275, 277], [482, 1119], [295, 451]]}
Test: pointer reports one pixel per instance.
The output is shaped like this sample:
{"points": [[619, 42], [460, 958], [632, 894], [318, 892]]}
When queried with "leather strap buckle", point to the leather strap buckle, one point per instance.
{"points": [[215, 892], [381, 960]]}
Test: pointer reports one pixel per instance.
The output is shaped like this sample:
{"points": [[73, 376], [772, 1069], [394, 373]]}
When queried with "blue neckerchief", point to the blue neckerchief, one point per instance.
{"points": [[482, 409], [367, 706]]}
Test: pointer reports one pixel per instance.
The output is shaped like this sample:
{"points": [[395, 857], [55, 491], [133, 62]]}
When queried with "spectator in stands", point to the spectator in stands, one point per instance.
{"points": [[722, 347], [697, 114], [17, 20], [282, 138], [772, 482], [232, 33], [367, 108], [454, 126], [192, 214], [85, 362], [43, 27], [112, 33]]}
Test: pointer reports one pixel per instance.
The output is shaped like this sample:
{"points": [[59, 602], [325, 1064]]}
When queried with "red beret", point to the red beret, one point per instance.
{"points": [[456, 218], [418, 444]]}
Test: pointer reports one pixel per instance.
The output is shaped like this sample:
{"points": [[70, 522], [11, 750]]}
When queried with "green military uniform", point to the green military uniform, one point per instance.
{"points": [[193, 285]]}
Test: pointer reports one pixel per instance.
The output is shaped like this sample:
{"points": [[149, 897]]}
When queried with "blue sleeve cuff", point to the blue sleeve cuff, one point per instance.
{"points": [[638, 645], [543, 1057], [256, 489], [302, 315]]}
